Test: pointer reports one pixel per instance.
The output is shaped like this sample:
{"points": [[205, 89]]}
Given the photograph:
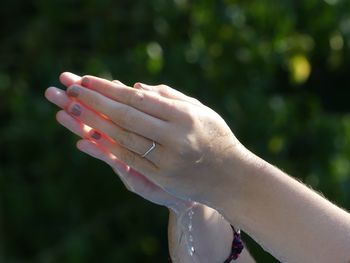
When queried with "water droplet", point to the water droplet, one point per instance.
{"points": [[190, 251], [190, 227], [187, 226]]}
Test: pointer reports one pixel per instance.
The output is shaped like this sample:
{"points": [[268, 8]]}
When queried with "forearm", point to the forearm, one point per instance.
{"points": [[290, 220], [201, 235]]}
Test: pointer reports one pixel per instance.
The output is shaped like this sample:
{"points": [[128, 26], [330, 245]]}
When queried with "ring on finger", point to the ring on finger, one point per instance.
{"points": [[153, 146]]}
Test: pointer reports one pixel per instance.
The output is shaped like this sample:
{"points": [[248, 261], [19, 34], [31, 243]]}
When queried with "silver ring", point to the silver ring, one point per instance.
{"points": [[149, 150]]}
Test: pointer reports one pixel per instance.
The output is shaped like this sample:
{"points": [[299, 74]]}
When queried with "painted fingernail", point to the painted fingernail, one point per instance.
{"points": [[73, 91], [85, 81], [96, 135], [76, 110]]}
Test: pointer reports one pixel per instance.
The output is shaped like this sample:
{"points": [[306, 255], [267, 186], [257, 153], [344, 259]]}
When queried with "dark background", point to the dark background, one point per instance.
{"points": [[277, 71]]}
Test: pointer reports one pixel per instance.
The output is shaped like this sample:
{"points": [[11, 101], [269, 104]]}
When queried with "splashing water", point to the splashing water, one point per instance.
{"points": [[187, 225], [190, 241], [188, 237]]}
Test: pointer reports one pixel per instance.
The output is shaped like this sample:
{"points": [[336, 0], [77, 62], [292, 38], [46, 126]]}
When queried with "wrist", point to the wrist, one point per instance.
{"points": [[196, 228], [239, 177]]}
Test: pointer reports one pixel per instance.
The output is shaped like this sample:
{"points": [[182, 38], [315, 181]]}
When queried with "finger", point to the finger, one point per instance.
{"points": [[134, 142], [122, 115], [60, 98], [142, 100], [119, 83], [132, 179], [72, 124], [98, 152], [133, 160], [68, 79], [167, 92], [111, 151], [101, 152], [57, 97], [109, 146], [84, 131]]}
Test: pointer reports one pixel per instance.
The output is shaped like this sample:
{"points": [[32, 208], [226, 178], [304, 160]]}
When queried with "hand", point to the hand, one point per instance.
{"points": [[208, 222], [194, 144], [97, 145]]}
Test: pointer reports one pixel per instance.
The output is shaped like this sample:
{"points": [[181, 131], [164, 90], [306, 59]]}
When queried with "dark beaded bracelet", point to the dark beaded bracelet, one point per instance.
{"points": [[236, 248]]}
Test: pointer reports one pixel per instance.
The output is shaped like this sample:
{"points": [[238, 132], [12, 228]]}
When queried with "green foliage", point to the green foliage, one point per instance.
{"points": [[276, 70]]}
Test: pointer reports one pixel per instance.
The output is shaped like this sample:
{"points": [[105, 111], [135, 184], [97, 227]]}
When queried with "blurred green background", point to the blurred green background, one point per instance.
{"points": [[277, 71]]}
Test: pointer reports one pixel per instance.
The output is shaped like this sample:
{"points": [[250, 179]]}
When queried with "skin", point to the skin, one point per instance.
{"points": [[208, 222], [145, 116], [198, 158]]}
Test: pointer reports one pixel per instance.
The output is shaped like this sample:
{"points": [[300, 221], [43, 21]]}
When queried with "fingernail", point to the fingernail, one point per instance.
{"points": [[85, 81], [139, 85], [76, 110], [96, 135], [73, 91]]}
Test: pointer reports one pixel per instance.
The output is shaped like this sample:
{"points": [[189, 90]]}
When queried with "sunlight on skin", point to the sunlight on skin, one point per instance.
{"points": [[134, 181], [241, 188], [112, 156], [86, 128]]}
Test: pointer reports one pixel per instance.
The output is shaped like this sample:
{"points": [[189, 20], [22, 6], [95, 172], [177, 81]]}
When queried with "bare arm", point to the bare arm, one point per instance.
{"points": [[211, 232], [198, 158], [291, 221]]}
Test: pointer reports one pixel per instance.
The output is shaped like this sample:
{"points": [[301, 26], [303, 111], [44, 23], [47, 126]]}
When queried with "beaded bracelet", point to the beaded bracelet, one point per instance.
{"points": [[236, 248]]}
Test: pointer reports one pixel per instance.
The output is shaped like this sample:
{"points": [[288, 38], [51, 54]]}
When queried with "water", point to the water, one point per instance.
{"points": [[189, 234], [187, 227], [188, 231]]}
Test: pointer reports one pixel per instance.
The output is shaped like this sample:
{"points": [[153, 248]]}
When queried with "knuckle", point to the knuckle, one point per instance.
{"points": [[134, 97], [128, 157], [138, 97], [127, 98], [190, 116], [124, 138], [122, 115], [195, 101], [164, 89]]}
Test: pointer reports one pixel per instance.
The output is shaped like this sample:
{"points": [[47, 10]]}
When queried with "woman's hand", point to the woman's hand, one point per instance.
{"points": [[97, 145], [193, 143], [185, 244], [198, 157]]}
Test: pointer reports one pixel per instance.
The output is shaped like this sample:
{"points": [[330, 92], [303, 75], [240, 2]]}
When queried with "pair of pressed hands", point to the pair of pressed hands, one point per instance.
{"points": [[118, 123], [189, 137], [197, 158]]}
